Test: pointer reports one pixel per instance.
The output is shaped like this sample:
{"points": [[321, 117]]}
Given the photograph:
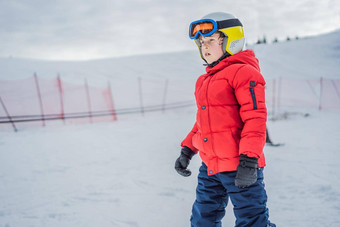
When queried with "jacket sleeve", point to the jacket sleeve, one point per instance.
{"points": [[249, 88], [188, 139]]}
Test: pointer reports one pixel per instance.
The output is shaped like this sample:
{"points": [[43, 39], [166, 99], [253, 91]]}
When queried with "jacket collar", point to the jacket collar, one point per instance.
{"points": [[243, 57]]}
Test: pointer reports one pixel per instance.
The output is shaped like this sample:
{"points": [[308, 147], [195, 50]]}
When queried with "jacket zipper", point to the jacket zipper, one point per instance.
{"points": [[252, 93]]}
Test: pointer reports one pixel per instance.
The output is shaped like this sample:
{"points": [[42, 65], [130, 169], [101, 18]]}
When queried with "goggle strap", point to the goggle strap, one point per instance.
{"points": [[228, 23]]}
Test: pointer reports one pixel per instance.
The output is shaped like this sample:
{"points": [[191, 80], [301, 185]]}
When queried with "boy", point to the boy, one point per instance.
{"points": [[230, 128]]}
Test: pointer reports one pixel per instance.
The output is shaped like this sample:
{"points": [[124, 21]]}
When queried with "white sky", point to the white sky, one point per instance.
{"points": [[89, 29]]}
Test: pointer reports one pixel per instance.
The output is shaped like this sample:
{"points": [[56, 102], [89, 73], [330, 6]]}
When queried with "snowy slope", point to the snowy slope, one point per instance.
{"points": [[121, 173], [304, 58], [311, 57]]}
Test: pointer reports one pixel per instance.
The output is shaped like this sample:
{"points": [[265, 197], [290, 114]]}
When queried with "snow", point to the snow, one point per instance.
{"points": [[302, 178], [122, 173]]}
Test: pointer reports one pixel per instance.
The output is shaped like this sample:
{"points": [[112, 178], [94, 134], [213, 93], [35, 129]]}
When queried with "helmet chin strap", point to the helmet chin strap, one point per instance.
{"points": [[225, 55]]}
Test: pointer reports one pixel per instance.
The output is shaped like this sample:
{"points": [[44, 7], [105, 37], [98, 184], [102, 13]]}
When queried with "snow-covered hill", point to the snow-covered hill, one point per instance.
{"points": [[312, 57], [121, 173], [304, 58]]}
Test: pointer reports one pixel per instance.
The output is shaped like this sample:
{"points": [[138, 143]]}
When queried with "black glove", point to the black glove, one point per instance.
{"points": [[183, 161], [246, 172]]}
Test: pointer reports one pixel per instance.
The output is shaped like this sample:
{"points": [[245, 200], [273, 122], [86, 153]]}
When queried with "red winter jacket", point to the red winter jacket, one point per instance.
{"points": [[231, 113]]}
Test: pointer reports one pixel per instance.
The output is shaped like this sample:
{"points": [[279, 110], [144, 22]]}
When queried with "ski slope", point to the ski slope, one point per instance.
{"points": [[121, 173]]}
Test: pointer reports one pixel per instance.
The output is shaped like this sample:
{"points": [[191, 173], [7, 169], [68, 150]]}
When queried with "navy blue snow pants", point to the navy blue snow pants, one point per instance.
{"points": [[212, 195]]}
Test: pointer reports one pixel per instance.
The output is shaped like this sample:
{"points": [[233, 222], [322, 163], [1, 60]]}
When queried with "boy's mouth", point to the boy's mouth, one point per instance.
{"points": [[206, 54]]}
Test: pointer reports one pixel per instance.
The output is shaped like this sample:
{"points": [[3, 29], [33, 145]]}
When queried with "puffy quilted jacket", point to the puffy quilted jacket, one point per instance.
{"points": [[231, 113]]}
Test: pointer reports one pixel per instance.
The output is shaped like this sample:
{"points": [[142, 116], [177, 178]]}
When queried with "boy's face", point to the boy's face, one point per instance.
{"points": [[211, 47]]}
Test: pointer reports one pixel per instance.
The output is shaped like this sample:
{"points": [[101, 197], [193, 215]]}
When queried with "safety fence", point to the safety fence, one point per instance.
{"points": [[36, 101], [286, 94]]}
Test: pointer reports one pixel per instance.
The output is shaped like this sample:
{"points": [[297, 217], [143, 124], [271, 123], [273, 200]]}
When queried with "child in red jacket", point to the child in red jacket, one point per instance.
{"points": [[230, 128]]}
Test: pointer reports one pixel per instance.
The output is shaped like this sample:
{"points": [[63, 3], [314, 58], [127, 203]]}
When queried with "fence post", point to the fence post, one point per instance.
{"points": [[164, 95], [279, 94], [8, 116], [141, 95], [88, 100], [61, 95], [320, 100], [113, 111], [336, 89], [39, 97]]}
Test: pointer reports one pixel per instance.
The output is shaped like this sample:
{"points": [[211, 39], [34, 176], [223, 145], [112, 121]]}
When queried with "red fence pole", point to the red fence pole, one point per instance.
{"points": [[320, 100], [39, 97], [61, 96], [113, 111], [88, 100], [9, 117]]}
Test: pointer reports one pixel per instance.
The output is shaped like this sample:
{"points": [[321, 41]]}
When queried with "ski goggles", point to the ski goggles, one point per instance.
{"points": [[207, 27]]}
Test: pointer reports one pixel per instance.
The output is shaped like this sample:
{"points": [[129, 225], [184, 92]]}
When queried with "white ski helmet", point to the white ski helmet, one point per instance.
{"points": [[226, 23]]}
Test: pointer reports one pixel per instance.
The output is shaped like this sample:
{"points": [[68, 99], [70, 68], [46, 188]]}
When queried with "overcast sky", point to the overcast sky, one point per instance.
{"points": [[91, 29]]}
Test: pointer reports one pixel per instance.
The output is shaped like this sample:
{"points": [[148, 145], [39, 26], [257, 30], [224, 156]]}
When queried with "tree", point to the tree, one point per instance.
{"points": [[259, 41]]}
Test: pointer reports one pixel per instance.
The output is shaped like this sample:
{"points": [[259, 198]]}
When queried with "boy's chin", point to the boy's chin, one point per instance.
{"points": [[210, 61]]}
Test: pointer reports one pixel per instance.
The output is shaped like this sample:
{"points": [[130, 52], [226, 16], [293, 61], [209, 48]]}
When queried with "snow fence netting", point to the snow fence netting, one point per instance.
{"points": [[35, 101]]}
